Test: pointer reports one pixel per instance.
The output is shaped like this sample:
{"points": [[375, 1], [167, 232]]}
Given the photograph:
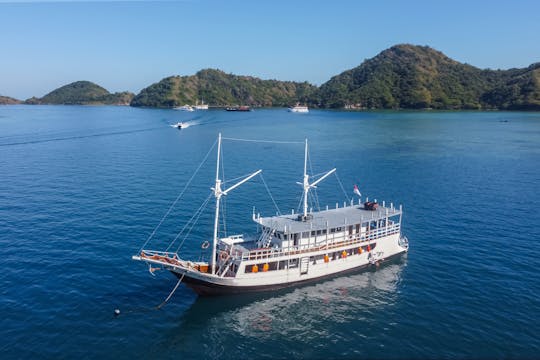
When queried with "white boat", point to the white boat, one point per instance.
{"points": [[299, 108], [184, 108], [288, 249], [201, 106], [180, 125]]}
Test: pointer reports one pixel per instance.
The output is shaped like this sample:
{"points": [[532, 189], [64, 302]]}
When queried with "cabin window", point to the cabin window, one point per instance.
{"points": [[358, 228], [293, 263], [282, 265], [332, 230], [305, 234], [285, 237], [319, 232], [313, 233]]}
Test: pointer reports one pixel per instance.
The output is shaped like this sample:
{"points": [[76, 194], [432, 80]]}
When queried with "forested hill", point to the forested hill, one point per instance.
{"points": [[217, 88], [401, 77], [83, 93], [417, 77]]}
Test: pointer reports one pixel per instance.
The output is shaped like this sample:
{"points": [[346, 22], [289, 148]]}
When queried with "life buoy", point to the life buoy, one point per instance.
{"points": [[360, 250], [343, 254], [266, 267], [205, 245], [326, 258], [223, 255], [255, 269]]}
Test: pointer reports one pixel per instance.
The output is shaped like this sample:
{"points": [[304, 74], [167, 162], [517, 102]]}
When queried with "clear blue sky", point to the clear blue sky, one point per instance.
{"points": [[128, 45]]}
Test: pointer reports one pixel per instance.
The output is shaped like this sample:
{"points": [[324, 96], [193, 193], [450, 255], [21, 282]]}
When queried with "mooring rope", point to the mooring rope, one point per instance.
{"points": [[172, 292]]}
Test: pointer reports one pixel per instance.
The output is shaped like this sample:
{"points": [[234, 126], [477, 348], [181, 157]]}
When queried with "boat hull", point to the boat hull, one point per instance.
{"points": [[208, 288]]}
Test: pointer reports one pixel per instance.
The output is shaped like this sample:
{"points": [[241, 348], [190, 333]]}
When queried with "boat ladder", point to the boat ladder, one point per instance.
{"points": [[225, 267], [266, 237]]}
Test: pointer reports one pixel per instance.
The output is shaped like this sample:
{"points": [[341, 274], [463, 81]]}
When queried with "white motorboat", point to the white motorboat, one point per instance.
{"points": [[185, 108]]}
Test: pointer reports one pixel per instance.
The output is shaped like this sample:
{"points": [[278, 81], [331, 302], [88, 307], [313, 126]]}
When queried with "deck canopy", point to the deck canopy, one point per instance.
{"points": [[327, 219]]}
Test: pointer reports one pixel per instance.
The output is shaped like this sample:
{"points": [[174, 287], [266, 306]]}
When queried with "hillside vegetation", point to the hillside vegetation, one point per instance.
{"points": [[401, 77], [217, 88], [83, 93], [417, 77]]}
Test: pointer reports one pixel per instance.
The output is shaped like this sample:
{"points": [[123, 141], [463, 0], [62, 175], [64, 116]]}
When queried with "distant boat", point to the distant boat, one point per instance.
{"points": [[184, 108], [201, 106], [299, 108], [180, 125], [238, 108]]}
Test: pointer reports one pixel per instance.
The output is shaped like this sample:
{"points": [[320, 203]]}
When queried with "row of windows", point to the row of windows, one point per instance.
{"points": [[293, 263], [306, 234]]}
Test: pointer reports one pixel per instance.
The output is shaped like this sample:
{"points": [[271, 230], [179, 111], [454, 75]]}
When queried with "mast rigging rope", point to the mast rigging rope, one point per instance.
{"points": [[177, 198]]}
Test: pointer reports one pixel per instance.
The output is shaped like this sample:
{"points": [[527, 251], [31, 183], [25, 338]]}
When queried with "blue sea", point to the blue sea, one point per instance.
{"points": [[83, 188]]}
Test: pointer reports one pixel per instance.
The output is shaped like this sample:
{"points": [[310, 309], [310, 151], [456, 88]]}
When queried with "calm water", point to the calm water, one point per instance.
{"points": [[81, 188]]}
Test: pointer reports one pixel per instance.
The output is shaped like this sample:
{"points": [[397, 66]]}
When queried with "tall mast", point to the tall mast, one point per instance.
{"points": [[217, 194], [306, 181], [306, 185]]}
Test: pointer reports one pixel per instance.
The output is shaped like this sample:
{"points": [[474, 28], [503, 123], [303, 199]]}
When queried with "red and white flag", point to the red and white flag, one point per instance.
{"points": [[356, 191]]}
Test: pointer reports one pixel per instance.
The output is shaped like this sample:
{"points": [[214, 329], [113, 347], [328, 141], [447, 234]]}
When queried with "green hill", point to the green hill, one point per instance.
{"points": [[415, 77], [6, 100], [217, 88], [83, 93]]}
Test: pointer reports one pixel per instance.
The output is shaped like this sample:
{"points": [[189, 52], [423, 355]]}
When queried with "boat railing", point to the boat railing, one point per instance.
{"points": [[343, 240]]}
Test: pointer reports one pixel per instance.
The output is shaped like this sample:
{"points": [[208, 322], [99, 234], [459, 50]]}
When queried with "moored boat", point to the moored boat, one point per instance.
{"points": [[201, 106], [289, 249], [299, 108]]}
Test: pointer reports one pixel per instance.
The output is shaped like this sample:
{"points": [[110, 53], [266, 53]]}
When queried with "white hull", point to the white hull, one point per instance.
{"points": [[311, 269], [299, 109], [184, 108]]}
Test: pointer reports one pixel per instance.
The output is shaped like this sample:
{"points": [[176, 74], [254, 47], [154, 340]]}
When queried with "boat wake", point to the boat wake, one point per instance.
{"points": [[184, 124]]}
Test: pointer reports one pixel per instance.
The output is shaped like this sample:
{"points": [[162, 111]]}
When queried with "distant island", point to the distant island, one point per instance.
{"points": [[6, 100], [401, 77], [82, 93]]}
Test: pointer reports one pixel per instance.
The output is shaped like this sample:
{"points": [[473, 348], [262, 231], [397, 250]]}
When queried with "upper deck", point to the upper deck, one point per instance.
{"points": [[351, 214]]}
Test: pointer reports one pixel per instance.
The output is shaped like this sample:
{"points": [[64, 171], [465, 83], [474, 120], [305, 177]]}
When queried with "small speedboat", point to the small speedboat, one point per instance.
{"points": [[179, 125], [184, 108], [238, 108]]}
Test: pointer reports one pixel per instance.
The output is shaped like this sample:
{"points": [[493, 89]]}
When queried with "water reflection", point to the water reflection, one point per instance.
{"points": [[301, 314]]}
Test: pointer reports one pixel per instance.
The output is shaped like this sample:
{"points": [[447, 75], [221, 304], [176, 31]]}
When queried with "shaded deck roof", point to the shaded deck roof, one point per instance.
{"points": [[331, 218]]}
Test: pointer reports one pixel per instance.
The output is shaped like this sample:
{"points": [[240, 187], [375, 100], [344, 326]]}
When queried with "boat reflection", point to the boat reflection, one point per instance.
{"points": [[341, 299]]}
